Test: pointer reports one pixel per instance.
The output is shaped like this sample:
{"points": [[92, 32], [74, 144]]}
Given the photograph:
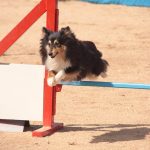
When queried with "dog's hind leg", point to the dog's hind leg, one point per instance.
{"points": [[82, 74]]}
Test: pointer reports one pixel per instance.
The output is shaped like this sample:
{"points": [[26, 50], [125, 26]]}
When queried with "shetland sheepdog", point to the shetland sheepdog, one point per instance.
{"points": [[70, 58]]}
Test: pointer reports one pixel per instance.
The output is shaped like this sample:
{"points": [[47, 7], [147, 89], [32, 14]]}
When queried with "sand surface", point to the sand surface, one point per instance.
{"points": [[94, 118]]}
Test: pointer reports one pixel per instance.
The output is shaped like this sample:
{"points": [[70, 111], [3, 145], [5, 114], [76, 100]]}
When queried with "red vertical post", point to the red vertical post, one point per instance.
{"points": [[51, 20], [52, 24], [49, 92], [49, 108], [48, 117]]}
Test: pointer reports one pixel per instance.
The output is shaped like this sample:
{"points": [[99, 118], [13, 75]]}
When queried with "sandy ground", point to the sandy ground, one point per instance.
{"points": [[94, 118]]}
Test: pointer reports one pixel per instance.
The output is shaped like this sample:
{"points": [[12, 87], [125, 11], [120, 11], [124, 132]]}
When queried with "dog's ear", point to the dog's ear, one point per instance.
{"points": [[66, 30], [45, 31]]}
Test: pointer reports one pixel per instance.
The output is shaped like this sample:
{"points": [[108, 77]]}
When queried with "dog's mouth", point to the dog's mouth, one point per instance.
{"points": [[53, 56]]}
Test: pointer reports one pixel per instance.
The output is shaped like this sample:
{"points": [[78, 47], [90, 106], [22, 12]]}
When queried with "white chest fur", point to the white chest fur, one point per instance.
{"points": [[58, 63]]}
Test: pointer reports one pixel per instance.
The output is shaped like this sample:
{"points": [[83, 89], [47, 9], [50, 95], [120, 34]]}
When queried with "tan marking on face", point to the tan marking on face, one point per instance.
{"points": [[62, 51]]}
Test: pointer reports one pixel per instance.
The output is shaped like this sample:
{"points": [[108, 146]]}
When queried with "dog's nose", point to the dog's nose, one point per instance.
{"points": [[50, 54]]}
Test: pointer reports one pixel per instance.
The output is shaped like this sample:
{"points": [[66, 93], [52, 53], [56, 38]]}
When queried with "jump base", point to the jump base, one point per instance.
{"points": [[13, 125], [47, 130]]}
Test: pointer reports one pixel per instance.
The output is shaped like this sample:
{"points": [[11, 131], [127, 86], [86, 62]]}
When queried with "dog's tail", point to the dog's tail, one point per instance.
{"points": [[101, 68]]}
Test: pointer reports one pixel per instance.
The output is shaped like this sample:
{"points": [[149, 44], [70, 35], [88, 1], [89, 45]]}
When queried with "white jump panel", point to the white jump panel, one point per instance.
{"points": [[21, 92]]}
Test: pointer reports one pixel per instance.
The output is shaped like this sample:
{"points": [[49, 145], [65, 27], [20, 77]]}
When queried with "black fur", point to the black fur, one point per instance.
{"points": [[84, 57]]}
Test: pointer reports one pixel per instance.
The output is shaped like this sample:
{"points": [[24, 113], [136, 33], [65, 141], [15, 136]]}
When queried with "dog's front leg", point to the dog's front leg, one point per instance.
{"points": [[52, 81]]}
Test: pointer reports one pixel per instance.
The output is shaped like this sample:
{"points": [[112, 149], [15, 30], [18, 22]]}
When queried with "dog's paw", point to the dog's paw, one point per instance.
{"points": [[51, 81]]}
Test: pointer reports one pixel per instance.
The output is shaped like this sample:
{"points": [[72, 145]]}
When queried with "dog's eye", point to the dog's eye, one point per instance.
{"points": [[56, 43]]}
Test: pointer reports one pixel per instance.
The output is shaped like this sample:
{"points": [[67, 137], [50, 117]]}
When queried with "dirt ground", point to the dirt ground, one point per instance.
{"points": [[94, 118]]}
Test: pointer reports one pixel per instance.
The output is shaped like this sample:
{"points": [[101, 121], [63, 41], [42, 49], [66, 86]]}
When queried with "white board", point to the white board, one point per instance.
{"points": [[21, 92]]}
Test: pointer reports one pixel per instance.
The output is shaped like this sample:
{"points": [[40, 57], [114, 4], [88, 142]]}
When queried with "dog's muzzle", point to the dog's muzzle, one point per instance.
{"points": [[52, 56]]}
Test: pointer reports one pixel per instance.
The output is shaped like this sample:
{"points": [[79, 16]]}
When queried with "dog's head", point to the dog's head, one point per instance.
{"points": [[52, 42], [55, 42]]}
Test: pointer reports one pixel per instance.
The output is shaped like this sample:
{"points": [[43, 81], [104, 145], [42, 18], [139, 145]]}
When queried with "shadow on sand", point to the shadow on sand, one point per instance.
{"points": [[113, 133]]}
